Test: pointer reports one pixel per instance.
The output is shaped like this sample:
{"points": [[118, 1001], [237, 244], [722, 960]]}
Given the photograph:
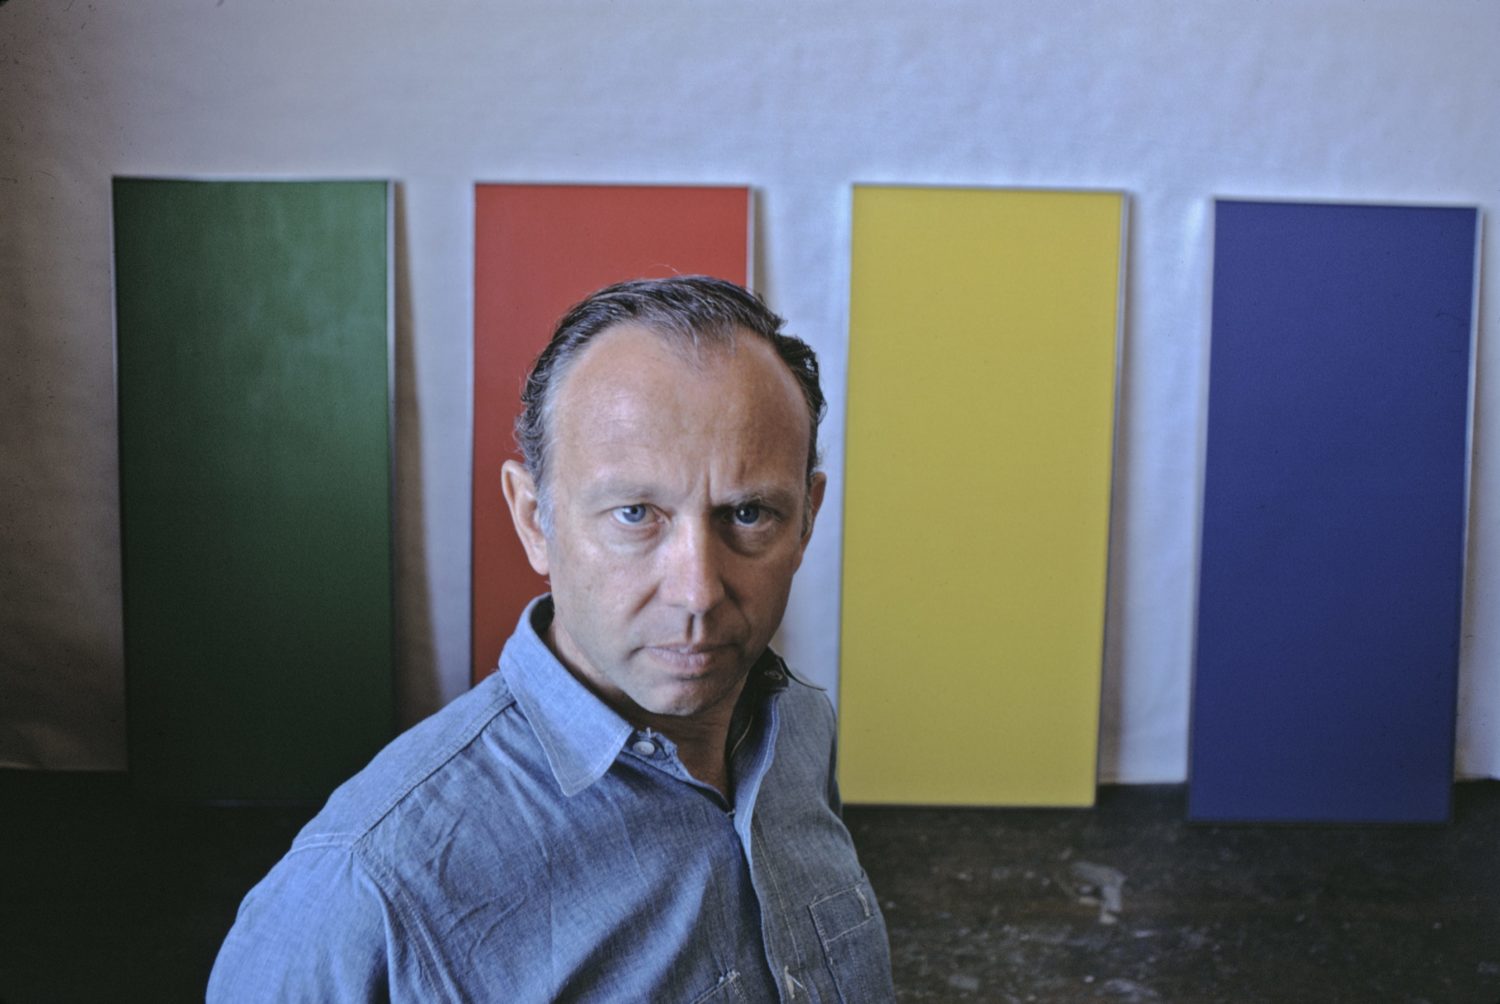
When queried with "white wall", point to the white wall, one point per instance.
{"points": [[1172, 102]]}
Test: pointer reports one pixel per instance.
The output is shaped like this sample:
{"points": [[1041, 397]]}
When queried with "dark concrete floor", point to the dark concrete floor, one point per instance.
{"points": [[1126, 902], [106, 898]]}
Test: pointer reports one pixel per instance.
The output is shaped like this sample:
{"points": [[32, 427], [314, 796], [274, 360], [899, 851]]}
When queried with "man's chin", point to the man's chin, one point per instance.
{"points": [[689, 698], [681, 702]]}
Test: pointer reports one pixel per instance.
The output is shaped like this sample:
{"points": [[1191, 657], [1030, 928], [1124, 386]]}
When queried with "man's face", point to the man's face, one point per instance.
{"points": [[678, 489]]}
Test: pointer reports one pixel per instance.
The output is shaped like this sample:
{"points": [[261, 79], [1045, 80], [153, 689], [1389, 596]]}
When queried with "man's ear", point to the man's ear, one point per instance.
{"points": [[525, 512], [815, 489]]}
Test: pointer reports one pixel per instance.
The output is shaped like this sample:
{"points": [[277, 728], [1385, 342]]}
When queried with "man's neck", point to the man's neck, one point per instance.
{"points": [[701, 741]]}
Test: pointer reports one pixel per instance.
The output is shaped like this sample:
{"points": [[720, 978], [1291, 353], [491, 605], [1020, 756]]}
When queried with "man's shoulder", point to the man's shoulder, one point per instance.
{"points": [[434, 826], [434, 756]]}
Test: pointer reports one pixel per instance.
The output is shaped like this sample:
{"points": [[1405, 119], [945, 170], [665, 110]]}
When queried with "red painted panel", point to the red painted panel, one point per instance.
{"points": [[538, 249]]}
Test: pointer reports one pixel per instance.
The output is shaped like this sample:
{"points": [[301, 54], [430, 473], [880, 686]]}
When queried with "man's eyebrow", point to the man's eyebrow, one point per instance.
{"points": [[775, 497], [625, 492], [618, 491]]}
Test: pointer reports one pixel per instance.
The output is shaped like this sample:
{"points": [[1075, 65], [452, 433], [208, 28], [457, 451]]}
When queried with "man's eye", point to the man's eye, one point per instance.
{"points": [[747, 515], [631, 515]]}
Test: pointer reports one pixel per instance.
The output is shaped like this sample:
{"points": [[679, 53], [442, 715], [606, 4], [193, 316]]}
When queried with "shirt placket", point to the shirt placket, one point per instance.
{"points": [[779, 906], [660, 754]]}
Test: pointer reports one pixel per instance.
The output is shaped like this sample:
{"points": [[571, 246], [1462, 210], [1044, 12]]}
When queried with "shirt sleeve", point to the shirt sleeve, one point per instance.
{"points": [[317, 928]]}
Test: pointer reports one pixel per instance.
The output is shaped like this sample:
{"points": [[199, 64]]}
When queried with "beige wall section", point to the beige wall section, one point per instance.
{"points": [[1171, 102]]}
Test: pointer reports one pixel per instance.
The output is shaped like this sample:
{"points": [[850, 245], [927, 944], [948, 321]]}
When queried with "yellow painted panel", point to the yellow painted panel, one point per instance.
{"points": [[982, 364]]}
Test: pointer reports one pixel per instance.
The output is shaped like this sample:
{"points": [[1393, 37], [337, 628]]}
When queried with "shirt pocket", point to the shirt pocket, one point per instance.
{"points": [[852, 933]]}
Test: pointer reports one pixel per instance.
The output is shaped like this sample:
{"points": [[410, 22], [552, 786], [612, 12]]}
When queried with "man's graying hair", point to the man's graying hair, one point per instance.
{"points": [[694, 310]]}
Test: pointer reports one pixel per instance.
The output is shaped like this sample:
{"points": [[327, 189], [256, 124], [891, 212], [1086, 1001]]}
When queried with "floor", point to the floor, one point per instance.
{"points": [[103, 898], [1126, 902]]}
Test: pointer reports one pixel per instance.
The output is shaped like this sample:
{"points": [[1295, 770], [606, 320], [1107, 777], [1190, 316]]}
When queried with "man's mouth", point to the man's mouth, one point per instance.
{"points": [[689, 657]]}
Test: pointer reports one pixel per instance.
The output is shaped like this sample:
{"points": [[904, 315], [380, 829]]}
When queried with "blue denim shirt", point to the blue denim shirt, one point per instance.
{"points": [[527, 844]]}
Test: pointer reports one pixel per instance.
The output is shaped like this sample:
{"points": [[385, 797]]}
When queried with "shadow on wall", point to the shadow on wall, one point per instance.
{"points": [[418, 693], [1112, 689]]}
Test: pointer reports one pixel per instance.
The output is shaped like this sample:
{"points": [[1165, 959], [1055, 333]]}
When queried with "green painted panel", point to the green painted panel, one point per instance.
{"points": [[253, 341]]}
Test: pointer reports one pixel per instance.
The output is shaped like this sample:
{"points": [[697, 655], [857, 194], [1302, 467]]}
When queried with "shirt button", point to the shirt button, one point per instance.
{"points": [[644, 747]]}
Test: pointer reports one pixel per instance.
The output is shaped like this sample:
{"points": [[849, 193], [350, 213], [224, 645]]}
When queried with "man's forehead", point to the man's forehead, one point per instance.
{"points": [[634, 399], [620, 357], [687, 346]]}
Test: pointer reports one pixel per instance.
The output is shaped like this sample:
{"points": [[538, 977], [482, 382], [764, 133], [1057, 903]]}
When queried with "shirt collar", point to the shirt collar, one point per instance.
{"points": [[580, 735]]}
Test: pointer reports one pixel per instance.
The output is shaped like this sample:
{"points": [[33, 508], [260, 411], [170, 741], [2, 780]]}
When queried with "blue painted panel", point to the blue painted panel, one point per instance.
{"points": [[1333, 517]]}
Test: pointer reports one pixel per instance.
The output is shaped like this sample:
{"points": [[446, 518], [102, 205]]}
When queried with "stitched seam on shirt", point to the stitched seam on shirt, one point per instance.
{"points": [[857, 889], [463, 738], [728, 983], [827, 941], [426, 953], [386, 885], [782, 911]]}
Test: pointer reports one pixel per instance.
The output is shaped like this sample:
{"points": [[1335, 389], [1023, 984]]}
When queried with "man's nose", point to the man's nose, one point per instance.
{"points": [[693, 578]]}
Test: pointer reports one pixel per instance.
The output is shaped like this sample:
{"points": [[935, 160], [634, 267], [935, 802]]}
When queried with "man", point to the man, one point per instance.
{"points": [[640, 804]]}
